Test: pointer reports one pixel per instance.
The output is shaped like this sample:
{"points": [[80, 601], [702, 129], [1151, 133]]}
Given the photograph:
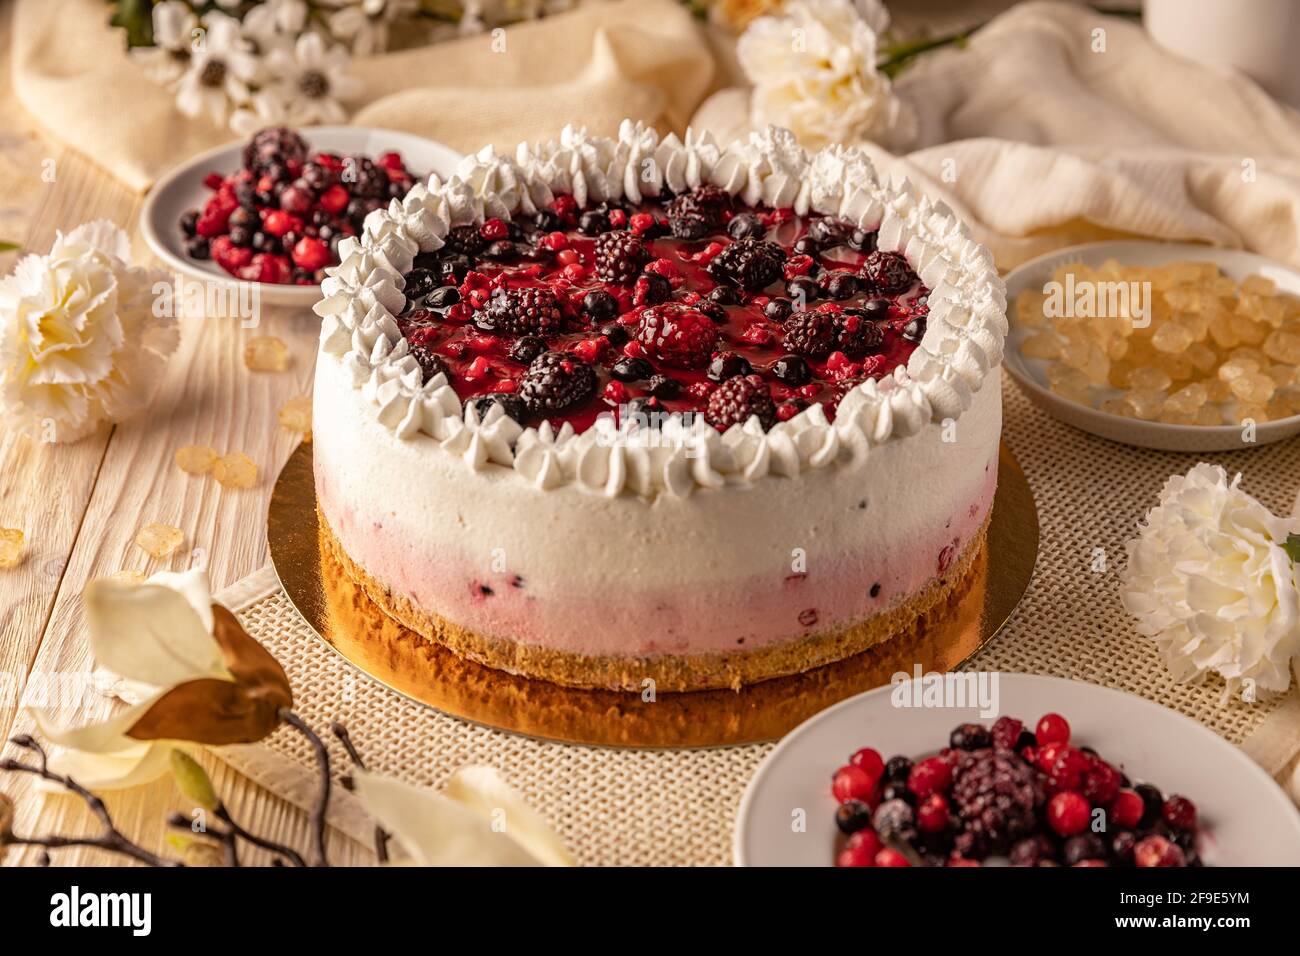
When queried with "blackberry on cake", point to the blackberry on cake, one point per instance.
{"points": [[512, 405], [888, 272], [619, 256], [556, 381], [698, 213], [738, 399], [812, 334], [752, 264], [531, 310]]}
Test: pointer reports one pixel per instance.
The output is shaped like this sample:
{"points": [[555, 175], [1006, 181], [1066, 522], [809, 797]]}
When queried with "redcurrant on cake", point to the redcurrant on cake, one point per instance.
{"points": [[612, 411]]}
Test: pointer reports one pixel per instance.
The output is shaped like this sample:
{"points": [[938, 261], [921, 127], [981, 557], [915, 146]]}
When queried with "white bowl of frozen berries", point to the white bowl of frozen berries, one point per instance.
{"points": [[1069, 774], [271, 211]]}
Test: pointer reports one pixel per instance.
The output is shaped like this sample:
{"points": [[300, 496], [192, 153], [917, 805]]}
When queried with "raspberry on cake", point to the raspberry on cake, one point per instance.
{"points": [[576, 407]]}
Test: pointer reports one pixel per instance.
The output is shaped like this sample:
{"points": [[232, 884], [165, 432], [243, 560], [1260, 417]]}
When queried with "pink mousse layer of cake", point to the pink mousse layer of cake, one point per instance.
{"points": [[602, 611]]}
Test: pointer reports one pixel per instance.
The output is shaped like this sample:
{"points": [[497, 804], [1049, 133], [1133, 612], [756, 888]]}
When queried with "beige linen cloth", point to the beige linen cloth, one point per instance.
{"points": [[1037, 140], [642, 58]]}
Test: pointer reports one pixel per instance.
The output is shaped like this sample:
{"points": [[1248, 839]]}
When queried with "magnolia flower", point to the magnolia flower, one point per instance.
{"points": [[175, 30], [814, 72], [1208, 579], [191, 672], [364, 24], [310, 79], [79, 340], [476, 820], [222, 66]]}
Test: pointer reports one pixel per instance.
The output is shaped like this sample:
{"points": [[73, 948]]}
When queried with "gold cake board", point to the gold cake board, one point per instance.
{"points": [[345, 618]]}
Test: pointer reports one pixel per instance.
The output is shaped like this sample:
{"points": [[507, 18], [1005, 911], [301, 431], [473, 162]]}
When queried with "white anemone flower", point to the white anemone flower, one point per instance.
{"points": [[274, 24], [364, 24], [311, 79], [222, 65], [175, 28]]}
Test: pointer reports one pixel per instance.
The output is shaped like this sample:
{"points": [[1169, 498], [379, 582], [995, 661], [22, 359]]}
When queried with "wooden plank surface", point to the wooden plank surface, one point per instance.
{"points": [[81, 505]]}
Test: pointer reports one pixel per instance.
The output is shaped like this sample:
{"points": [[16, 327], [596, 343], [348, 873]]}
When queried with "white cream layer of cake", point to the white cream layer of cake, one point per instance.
{"points": [[724, 569]]}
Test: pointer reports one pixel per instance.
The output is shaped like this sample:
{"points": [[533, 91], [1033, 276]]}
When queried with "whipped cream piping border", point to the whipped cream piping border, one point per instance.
{"points": [[964, 335]]}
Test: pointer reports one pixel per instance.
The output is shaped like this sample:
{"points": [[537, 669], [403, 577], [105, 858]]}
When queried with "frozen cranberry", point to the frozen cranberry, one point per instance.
{"points": [[869, 760], [1101, 783], [866, 839], [1157, 851], [1067, 813], [931, 775], [1052, 729], [311, 254], [855, 856], [852, 783], [932, 814], [891, 857], [1179, 813], [1127, 809]]}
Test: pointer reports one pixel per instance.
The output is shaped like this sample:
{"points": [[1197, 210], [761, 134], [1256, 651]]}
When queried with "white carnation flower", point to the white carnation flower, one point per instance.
{"points": [[1209, 581], [814, 72], [79, 343]]}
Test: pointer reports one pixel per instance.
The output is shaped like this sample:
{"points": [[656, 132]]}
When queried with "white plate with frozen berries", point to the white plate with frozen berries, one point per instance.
{"points": [[1065, 773], [272, 210]]}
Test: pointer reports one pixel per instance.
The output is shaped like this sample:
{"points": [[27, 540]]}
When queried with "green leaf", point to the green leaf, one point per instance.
{"points": [[136, 18], [1292, 547]]}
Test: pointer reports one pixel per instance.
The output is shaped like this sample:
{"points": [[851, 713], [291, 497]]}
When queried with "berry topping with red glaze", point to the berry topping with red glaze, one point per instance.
{"points": [[678, 306]]}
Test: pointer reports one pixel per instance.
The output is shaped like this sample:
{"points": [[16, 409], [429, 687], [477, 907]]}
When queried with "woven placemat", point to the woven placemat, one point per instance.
{"points": [[678, 807]]}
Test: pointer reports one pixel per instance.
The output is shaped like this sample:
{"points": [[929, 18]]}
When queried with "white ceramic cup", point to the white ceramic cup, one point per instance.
{"points": [[1258, 37]]}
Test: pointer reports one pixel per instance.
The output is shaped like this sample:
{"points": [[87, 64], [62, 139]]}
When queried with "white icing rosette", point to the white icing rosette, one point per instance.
{"points": [[1210, 581]]}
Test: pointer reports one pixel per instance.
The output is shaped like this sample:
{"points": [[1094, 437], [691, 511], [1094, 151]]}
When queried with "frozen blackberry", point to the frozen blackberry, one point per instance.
{"points": [[556, 381], [619, 256], [888, 272], [752, 264], [736, 400], [1032, 850], [278, 145], [509, 403], [1085, 846], [698, 213], [533, 310], [996, 797], [811, 334]]}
